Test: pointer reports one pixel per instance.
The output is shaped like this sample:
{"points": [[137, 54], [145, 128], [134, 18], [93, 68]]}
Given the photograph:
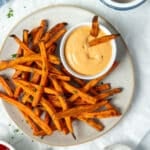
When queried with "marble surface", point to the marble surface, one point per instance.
{"points": [[134, 28]]}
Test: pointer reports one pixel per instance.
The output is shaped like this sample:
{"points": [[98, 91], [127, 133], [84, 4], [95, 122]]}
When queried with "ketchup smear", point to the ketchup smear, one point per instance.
{"points": [[3, 147]]}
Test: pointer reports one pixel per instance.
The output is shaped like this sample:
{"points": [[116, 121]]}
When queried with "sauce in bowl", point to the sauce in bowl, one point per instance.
{"points": [[83, 59]]}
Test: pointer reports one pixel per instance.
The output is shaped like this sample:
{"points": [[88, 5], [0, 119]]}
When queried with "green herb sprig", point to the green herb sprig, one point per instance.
{"points": [[10, 13]]}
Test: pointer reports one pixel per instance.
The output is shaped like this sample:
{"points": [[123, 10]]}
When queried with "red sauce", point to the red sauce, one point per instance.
{"points": [[3, 147]]}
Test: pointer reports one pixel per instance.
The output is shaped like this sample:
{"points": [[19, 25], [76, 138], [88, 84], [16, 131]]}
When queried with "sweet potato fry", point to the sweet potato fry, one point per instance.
{"points": [[16, 74], [45, 64], [27, 69], [22, 44], [35, 78], [103, 87], [39, 133], [44, 75], [80, 102], [95, 27], [47, 90], [93, 91], [31, 123], [97, 125], [54, 102], [54, 59], [103, 39], [17, 92], [47, 118], [53, 31], [37, 111], [40, 32], [10, 63], [33, 32], [25, 36], [25, 40], [111, 106], [6, 86], [102, 114], [27, 111], [60, 77], [50, 109], [55, 38], [89, 99], [78, 110], [63, 103], [107, 94], [23, 75]]}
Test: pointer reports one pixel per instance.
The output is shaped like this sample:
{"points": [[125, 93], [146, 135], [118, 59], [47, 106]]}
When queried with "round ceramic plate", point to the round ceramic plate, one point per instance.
{"points": [[123, 76]]}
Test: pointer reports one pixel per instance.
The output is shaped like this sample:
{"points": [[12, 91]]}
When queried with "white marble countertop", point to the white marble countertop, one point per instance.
{"points": [[134, 26]]}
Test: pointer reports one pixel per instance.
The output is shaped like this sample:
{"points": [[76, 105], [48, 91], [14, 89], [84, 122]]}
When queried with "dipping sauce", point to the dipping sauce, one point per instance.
{"points": [[3, 147], [84, 59]]}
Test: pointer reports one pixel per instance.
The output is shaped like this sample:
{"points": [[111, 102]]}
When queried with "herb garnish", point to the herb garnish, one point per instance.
{"points": [[14, 55], [16, 130], [10, 13]]}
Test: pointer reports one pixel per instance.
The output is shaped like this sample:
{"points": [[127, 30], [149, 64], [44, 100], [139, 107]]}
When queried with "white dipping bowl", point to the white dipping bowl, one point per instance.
{"points": [[76, 74], [7, 145], [118, 5]]}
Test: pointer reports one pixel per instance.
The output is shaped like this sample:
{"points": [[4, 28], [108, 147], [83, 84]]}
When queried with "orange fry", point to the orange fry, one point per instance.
{"points": [[25, 36], [48, 35], [44, 75], [63, 103], [103, 87], [10, 63], [17, 92], [95, 27], [55, 38], [89, 99], [102, 114], [31, 123], [28, 111], [60, 77], [6, 86], [103, 39], [107, 94], [78, 110], [47, 90], [22, 44], [97, 125], [40, 32], [50, 109]]}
